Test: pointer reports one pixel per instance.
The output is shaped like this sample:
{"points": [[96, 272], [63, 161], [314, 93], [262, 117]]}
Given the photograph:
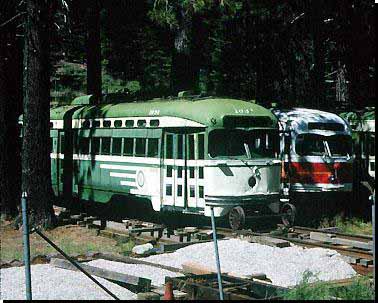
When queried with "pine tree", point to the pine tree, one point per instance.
{"points": [[36, 175]]}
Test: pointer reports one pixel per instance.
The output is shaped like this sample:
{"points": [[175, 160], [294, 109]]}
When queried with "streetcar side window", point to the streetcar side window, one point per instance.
{"points": [[180, 149], [129, 123], [118, 123], [128, 146], [191, 147], [105, 146], [116, 146], [153, 147], [140, 147], [61, 147], [84, 145], [201, 146], [169, 147], [95, 146]]}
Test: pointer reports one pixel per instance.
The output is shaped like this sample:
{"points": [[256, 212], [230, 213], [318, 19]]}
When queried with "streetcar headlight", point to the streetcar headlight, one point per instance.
{"points": [[252, 182]]}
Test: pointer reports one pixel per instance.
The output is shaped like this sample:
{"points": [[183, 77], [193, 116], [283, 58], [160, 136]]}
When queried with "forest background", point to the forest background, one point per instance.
{"points": [[314, 53]]}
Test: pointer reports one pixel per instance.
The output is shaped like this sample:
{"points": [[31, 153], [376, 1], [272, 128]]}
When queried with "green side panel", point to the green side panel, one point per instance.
{"points": [[54, 181], [94, 183], [53, 133]]}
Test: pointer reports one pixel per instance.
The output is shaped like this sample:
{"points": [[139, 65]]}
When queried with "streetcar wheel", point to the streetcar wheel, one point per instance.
{"points": [[236, 218], [288, 214]]}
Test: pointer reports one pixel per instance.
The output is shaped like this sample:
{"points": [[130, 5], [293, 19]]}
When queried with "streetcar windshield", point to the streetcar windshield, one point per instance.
{"points": [[310, 145], [243, 144], [318, 145], [340, 145]]}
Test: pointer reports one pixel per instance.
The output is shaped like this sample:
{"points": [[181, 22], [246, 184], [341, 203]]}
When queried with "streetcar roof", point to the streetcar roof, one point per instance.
{"points": [[311, 120], [208, 112]]}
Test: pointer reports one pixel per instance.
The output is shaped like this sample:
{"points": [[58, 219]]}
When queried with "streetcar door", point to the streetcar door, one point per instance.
{"points": [[195, 151], [174, 170]]}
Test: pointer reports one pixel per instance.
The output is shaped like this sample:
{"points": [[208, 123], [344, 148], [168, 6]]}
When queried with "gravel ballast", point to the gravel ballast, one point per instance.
{"points": [[50, 283], [284, 266]]}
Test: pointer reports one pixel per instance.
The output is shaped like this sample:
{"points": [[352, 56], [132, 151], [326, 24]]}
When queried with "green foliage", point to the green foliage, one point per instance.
{"points": [[257, 50], [303, 291], [111, 85], [360, 289], [164, 11], [125, 246], [133, 87], [69, 81], [352, 225]]}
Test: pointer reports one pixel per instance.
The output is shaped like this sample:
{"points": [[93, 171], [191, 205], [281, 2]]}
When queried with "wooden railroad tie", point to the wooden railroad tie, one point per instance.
{"points": [[265, 240], [333, 239], [137, 283]]}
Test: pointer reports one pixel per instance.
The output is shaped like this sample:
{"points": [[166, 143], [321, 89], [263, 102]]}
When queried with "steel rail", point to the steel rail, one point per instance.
{"points": [[357, 237]]}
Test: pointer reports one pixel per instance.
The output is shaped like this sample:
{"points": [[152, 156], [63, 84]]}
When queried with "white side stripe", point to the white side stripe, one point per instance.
{"points": [[127, 183], [119, 167], [122, 175]]}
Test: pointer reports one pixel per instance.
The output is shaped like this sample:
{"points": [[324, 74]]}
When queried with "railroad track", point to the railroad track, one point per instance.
{"points": [[357, 249]]}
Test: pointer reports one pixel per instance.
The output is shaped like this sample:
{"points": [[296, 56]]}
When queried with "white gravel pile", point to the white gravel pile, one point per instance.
{"points": [[284, 266], [50, 283], [156, 275]]}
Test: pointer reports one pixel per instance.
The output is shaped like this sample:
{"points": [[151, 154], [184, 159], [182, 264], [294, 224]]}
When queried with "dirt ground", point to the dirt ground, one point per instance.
{"points": [[71, 239]]}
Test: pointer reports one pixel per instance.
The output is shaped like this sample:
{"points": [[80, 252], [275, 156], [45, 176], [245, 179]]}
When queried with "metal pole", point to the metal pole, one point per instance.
{"points": [[25, 231], [373, 223], [216, 254]]}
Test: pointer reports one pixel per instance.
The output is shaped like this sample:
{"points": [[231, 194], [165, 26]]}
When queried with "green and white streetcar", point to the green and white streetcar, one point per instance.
{"points": [[182, 155]]}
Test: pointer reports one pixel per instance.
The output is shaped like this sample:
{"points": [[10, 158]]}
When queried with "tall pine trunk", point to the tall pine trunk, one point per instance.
{"points": [[318, 73], [10, 109], [94, 81], [185, 70], [36, 132]]}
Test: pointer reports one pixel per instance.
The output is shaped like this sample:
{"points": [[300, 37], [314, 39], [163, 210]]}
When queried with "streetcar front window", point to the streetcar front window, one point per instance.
{"points": [[243, 144], [310, 145], [340, 145], [318, 145]]}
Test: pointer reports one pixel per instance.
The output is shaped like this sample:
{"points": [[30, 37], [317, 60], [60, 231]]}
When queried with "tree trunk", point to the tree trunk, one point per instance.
{"points": [[10, 109], [341, 87], [36, 180], [359, 56], [318, 79], [185, 71], [94, 82]]}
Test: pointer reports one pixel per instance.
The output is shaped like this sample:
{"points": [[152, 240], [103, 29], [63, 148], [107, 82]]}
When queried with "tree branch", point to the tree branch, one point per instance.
{"points": [[12, 19]]}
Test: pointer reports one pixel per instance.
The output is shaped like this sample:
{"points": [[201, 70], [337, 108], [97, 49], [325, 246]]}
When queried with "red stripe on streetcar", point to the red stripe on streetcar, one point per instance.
{"points": [[311, 173]]}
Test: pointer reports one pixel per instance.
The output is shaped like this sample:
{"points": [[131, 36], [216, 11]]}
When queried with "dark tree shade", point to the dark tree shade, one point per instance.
{"points": [[94, 50], [36, 134], [10, 109], [184, 75]]}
